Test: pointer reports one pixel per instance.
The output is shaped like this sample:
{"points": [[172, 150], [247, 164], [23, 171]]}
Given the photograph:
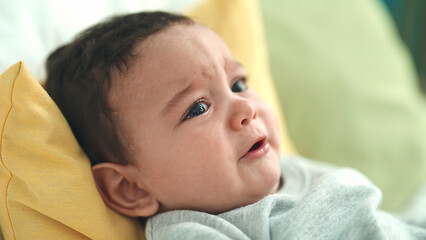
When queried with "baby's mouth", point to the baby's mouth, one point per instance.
{"points": [[256, 146], [257, 150]]}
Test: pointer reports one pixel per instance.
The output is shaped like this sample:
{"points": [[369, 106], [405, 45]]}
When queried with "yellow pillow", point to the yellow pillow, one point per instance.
{"points": [[46, 186], [239, 23]]}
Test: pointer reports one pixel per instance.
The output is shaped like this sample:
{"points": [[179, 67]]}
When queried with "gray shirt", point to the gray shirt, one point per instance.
{"points": [[316, 202]]}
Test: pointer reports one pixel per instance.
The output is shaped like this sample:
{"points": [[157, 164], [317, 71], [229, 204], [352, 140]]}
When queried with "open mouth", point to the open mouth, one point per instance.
{"points": [[256, 146], [258, 150]]}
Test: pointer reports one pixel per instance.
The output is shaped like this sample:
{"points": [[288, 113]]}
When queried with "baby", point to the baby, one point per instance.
{"points": [[163, 111]]}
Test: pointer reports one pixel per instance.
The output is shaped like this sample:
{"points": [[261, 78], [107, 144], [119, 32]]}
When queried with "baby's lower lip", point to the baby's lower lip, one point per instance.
{"points": [[259, 152]]}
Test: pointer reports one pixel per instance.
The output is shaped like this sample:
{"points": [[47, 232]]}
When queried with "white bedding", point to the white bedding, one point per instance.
{"points": [[30, 30]]}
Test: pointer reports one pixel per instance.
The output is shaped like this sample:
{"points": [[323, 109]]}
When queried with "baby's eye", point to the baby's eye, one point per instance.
{"points": [[239, 85], [198, 108]]}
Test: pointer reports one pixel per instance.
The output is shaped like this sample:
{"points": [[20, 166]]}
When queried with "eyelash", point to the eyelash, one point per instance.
{"points": [[200, 102], [205, 106]]}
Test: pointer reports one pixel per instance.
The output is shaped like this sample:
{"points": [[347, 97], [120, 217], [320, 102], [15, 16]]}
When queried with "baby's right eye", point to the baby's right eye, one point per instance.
{"points": [[198, 108]]}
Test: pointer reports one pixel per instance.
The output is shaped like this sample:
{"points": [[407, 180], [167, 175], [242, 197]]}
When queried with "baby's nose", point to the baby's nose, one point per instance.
{"points": [[243, 113]]}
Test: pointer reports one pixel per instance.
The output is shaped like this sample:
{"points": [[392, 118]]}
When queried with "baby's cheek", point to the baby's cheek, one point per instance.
{"points": [[272, 126], [207, 144]]}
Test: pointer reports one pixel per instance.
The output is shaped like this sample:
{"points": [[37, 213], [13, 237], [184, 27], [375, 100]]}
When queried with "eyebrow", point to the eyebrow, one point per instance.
{"points": [[177, 97], [232, 63]]}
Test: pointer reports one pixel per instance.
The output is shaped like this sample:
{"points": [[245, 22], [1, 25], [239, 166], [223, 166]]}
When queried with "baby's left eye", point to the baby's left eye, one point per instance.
{"points": [[239, 85]]}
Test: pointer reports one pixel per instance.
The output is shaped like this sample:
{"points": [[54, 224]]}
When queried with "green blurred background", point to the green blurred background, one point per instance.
{"points": [[349, 87]]}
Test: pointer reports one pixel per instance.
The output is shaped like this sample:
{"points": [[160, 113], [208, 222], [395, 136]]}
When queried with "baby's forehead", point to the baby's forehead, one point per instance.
{"points": [[178, 46], [170, 56], [177, 36]]}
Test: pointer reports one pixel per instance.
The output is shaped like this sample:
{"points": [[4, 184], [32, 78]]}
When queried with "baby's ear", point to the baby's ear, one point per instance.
{"points": [[122, 192]]}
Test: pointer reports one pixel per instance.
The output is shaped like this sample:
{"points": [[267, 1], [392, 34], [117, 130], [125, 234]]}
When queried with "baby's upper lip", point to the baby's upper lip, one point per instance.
{"points": [[251, 143]]}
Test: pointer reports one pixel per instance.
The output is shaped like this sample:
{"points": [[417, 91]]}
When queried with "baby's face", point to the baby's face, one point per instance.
{"points": [[199, 138]]}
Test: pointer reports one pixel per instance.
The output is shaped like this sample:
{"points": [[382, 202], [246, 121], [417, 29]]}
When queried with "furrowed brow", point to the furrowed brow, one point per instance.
{"points": [[232, 64], [178, 97]]}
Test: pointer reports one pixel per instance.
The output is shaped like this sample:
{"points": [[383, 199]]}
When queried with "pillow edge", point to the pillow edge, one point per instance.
{"points": [[7, 228]]}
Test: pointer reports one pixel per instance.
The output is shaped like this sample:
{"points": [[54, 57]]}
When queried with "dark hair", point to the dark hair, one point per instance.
{"points": [[79, 78]]}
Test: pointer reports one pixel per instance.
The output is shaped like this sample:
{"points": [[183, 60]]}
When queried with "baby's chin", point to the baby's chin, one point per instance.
{"points": [[279, 184], [274, 189]]}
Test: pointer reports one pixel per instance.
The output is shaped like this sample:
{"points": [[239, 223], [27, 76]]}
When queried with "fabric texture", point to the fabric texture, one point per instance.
{"points": [[349, 91], [337, 204], [46, 186]]}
